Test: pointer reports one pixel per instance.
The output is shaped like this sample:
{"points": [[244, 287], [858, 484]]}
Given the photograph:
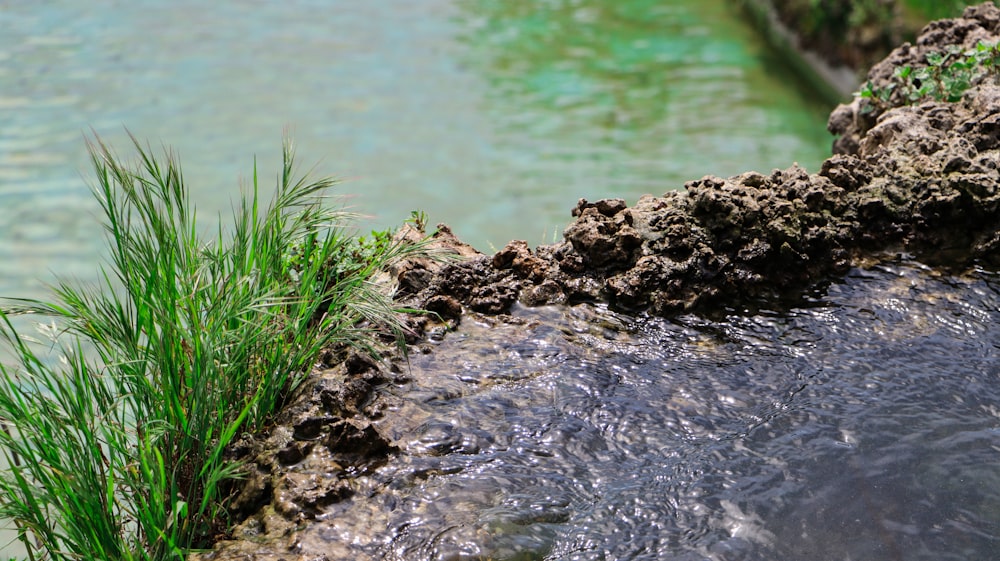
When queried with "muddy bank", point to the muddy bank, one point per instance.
{"points": [[920, 180]]}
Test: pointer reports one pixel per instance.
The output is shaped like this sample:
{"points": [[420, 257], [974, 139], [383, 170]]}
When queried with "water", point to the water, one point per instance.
{"points": [[863, 424], [493, 116]]}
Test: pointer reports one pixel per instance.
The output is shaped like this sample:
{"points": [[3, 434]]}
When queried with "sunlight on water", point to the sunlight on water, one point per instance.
{"points": [[861, 426], [492, 116]]}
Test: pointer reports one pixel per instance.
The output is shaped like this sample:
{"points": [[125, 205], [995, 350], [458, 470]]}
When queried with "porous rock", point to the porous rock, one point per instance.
{"points": [[920, 179], [851, 121]]}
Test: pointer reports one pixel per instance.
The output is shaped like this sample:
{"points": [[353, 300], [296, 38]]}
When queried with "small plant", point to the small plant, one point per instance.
{"points": [[419, 220], [877, 97], [116, 446], [946, 77]]}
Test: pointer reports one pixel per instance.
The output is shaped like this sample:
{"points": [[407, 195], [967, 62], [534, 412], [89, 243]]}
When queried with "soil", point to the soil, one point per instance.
{"points": [[921, 180]]}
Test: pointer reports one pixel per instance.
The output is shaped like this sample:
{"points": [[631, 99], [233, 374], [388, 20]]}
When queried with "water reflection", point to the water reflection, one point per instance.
{"points": [[862, 426], [491, 116]]}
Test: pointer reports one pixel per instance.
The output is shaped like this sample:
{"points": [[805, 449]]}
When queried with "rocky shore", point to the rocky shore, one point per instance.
{"points": [[920, 179], [915, 179]]}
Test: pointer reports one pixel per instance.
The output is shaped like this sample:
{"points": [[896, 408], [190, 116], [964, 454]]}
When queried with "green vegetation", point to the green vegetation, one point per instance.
{"points": [[937, 9], [946, 77], [116, 429], [842, 16], [859, 33], [853, 33]]}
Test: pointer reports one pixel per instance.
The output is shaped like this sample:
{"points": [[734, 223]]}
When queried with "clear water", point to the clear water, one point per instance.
{"points": [[865, 425], [492, 116]]}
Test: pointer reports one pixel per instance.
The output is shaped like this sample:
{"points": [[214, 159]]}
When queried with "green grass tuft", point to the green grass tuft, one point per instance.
{"points": [[116, 449]]}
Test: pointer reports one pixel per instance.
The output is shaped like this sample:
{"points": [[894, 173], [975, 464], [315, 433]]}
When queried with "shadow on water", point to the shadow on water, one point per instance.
{"points": [[862, 426]]}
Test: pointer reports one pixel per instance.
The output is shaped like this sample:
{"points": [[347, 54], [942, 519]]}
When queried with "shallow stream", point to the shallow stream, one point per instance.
{"points": [[862, 424]]}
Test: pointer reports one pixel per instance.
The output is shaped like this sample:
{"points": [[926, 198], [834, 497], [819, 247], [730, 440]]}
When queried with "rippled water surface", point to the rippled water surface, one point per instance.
{"points": [[494, 116], [865, 425]]}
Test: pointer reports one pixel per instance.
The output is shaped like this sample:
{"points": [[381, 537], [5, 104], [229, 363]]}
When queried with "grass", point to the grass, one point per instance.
{"points": [[117, 421]]}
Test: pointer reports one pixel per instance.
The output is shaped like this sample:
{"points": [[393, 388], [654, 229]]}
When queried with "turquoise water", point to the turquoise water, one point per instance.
{"points": [[492, 116]]}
